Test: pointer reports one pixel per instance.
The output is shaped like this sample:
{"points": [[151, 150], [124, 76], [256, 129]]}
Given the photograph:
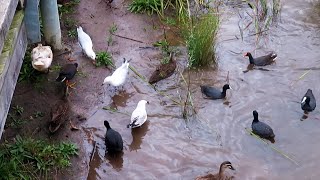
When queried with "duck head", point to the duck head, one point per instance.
{"points": [[106, 124], [91, 54], [143, 102], [108, 79], [255, 116], [225, 87], [226, 164]]}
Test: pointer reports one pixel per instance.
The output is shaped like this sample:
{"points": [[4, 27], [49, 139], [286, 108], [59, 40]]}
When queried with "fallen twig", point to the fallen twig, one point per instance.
{"points": [[301, 77], [127, 38], [93, 151], [274, 148]]}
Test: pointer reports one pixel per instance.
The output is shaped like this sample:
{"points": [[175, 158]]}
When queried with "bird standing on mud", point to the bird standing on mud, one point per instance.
{"points": [[42, 58], [119, 76], [164, 71], [139, 115], [59, 113], [86, 44], [67, 72], [113, 139]]}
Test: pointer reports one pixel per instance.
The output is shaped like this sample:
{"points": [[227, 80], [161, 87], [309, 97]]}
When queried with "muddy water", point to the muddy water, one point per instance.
{"points": [[168, 147]]}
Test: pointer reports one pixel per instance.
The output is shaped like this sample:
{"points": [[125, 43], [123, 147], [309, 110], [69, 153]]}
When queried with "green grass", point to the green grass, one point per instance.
{"points": [[163, 44], [112, 30], [145, 6], [72, 33], [200, 40], [68, 8], [104, 59], [18, 109], [27, 158]]}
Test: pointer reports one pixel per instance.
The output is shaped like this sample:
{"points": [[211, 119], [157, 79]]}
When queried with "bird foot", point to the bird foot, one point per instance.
{"points": [[71, 85]]}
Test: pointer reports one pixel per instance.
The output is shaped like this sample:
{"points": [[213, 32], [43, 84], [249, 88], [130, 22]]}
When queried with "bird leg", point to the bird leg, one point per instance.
{"points": [[70, 85]]}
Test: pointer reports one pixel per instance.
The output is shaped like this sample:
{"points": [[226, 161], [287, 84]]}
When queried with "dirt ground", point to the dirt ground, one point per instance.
{"points": [[96, 17]]}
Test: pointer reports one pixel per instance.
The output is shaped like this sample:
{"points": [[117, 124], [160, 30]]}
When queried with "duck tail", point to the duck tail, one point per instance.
{"points": [[129, 125]]}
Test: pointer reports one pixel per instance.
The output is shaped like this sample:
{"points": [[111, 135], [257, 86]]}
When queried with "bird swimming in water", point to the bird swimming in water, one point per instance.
{"points": [[260, 128], [214, 93], [220, 175], [308, 102], [139, 115], [263, 60]]}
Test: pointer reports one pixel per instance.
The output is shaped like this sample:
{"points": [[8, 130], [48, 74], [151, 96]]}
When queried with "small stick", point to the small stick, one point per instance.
{"points": [[302, 76], [127, 38], [275, 149], [93, 151]]}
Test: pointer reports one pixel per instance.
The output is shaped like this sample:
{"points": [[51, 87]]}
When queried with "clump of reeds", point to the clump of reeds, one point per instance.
{"points": [[201, 39]]}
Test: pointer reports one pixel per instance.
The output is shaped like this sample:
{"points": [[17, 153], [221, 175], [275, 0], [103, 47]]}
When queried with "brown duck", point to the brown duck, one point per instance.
{"points": [[220, 175], [59, 113], [163, 71]]}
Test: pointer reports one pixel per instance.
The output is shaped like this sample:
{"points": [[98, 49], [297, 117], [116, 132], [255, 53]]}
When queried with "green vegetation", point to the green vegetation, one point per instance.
{"points": [[104, 59], [27, 158], [264, 13], [199, 28], [38, 114], [145, 6], [15, 121], [68, 8], [72, 33], [112, 30], [65, 12], [18, 109], [201, 40], [163, 44]]}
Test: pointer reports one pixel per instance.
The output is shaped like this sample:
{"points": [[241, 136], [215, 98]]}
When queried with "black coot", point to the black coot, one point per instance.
{"points": [[214, 93], [113, 139], [263, 60], [260, 128], [67, 72], [308, 102]]}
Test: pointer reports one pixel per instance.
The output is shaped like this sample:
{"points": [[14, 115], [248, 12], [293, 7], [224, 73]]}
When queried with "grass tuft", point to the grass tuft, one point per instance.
{"points": [[145, 6], [201, 40], [104, 59], [26, 158]]}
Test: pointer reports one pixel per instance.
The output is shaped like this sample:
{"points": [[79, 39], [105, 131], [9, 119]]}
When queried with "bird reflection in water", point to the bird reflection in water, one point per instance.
{"points": [[115, 159], [137, 136]]}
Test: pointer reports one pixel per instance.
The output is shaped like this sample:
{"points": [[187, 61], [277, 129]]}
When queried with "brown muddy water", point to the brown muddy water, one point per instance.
{"points": [[169, 147]]}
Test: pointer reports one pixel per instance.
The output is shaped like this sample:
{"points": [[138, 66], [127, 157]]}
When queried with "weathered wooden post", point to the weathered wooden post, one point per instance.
{"points": [[51, 23]]}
